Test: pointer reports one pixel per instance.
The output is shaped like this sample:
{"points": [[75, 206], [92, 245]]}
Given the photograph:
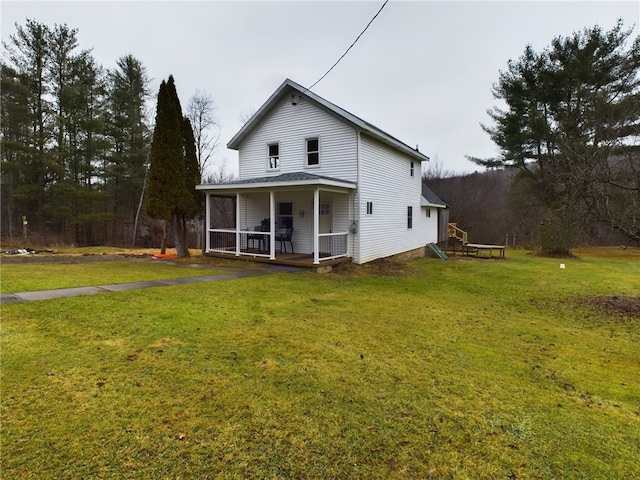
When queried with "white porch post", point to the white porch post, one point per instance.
{"points": [[237, 224], [316, 226], [272, 225], [207, 224]]}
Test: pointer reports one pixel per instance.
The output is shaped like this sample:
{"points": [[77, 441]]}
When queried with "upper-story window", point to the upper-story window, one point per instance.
{"points": [[274, 156], [313, 152], [412, 169]]}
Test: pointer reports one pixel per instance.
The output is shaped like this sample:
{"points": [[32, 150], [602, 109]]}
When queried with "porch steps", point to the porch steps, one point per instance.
{"points": [[437, 251]]}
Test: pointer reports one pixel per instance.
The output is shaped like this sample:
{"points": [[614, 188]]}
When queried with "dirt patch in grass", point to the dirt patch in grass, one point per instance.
{"points": [[619, 306], [132, 255], [65, 258], [383, 267]]}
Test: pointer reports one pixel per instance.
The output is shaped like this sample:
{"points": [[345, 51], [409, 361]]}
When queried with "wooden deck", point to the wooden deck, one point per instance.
{"points": [[481, 250]]}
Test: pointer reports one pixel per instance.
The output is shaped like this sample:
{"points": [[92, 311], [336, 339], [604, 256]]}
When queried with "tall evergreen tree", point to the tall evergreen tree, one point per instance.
{"points": [[15, 123], [173, 173], [124, 169], [28, 59]]}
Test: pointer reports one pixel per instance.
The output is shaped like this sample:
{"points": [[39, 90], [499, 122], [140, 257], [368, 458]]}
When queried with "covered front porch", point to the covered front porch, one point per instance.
{"points": [[292, 218]]}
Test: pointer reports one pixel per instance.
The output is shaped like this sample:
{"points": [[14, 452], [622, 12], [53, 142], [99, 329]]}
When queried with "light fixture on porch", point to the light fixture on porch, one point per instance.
{"points": [[301, 213]]}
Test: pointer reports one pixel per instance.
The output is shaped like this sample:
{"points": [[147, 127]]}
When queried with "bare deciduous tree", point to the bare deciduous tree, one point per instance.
{"points": [[221, 175], [246, 115], [206, 129], [435, 169]]}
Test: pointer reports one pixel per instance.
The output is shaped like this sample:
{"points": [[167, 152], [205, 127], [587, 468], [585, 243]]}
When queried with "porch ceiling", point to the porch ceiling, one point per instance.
{"points": [[286, 180]]}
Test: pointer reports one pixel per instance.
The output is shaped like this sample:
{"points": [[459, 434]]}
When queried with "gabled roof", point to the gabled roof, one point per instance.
{"points": [[289, 88], [296, 179], [430, 199]]}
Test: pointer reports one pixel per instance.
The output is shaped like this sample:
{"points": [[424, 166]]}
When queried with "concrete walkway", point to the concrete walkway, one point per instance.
{"points": [[120, 287]]}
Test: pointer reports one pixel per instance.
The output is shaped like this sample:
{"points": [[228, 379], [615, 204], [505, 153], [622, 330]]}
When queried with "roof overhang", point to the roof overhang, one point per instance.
{"points": [[426, 203], [280, 182]]}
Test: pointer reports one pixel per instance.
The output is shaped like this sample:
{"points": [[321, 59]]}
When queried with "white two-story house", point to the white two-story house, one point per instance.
{"points": [[319, 183]]}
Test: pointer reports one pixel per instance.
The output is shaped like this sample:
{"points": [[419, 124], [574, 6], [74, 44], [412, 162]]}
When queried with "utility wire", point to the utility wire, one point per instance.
{"points": [[350, 46]]}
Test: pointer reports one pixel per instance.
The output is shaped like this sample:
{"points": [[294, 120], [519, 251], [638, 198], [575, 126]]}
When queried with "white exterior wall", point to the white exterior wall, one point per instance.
{"points": [[430, 224], [289, 126], [386, 181]]}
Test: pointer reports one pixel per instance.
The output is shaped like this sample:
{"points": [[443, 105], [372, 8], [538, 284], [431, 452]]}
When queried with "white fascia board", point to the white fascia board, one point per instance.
{"points": [[234, 143], [340, 113]]}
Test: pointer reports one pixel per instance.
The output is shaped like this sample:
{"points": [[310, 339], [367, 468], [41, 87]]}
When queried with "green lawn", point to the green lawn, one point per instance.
{"points": [[37, 276], [467, 369]]}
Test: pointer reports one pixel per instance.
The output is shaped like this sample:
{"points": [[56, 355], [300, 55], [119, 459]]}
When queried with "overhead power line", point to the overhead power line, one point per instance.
{"points": [[350, 46]]}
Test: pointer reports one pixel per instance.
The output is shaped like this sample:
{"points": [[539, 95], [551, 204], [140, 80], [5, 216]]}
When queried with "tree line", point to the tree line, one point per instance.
{"points": [[76, 140], [77, 146], [493, 208]]}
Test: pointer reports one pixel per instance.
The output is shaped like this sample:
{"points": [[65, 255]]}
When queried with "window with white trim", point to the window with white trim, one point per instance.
{"points": [[409, 217], [274, 156], [428, 213], [412, 169], [313, 152]]}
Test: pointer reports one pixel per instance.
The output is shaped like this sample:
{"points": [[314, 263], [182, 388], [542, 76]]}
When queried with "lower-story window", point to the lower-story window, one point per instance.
{"points": [[409, 217], [285, 214]]}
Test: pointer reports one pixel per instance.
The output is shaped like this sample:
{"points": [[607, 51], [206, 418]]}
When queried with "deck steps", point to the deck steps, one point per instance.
{"points": [[458, 243]]}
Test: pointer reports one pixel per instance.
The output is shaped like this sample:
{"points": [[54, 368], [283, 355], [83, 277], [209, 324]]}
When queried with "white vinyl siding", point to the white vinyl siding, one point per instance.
{"points": [[385, 182], [292, 125]]}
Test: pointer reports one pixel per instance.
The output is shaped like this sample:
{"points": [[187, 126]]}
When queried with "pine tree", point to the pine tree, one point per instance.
{"points": [[171, 176], [127, 130], [572, 129], [28, 58]]}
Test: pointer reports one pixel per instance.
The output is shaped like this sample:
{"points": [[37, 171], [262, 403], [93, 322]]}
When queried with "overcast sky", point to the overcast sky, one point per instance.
{"points": [[422, 72]]}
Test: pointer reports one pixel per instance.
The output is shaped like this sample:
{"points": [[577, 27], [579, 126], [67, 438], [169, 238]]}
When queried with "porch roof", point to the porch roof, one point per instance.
{"points": [[297, 179], [430, 199]]}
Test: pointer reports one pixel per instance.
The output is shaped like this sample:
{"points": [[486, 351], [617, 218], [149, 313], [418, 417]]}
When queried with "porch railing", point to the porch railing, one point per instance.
{"points": [[251, 243], [222, 240], [256, 244], [332, 245]]}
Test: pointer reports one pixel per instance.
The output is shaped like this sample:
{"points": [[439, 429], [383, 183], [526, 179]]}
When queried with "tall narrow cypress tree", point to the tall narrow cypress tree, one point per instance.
{"points": [[171, 181]]}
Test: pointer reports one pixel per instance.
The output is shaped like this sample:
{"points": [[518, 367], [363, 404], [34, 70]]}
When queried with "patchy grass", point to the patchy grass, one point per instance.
{"points": [[471, 369], [71, 272]]}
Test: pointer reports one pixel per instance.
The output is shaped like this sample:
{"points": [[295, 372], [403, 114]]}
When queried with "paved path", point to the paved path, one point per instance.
{"points": [[119, 287]]}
